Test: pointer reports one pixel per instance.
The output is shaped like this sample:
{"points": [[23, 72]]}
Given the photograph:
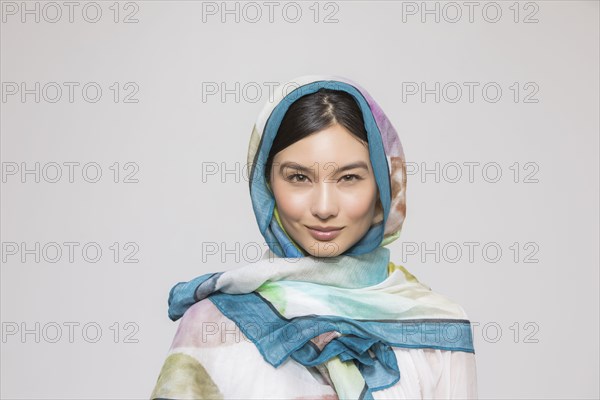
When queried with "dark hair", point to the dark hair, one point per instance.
{"points": [[314, 112]]}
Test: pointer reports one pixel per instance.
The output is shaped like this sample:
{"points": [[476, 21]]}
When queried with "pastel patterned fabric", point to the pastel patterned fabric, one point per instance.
{"points": [[355, 326], [385, 149]]}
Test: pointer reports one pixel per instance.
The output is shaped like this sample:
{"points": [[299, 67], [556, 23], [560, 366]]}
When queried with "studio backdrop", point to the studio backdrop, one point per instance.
{"points": [[124, 133]]}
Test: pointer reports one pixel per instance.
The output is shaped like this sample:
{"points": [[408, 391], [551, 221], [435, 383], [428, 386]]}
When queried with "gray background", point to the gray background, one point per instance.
{"points": [[541, 318]]}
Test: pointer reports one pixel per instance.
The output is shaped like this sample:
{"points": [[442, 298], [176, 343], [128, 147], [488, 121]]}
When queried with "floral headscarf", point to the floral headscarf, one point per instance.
{"points": [[385, 151]]}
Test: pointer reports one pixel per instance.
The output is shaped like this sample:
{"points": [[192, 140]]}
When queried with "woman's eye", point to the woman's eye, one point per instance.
{"points": [[350, 178], [297, 178]]}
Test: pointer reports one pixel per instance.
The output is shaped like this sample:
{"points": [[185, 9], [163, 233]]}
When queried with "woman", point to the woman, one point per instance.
{"points": [[325, 313]]}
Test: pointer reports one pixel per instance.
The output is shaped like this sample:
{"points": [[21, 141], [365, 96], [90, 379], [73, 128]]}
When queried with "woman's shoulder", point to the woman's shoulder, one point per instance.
{"points": [[201, 312], [392, 267], [203, 325], [427, 294]]}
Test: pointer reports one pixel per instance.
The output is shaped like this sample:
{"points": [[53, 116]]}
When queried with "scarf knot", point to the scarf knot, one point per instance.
{"points": [[375, 359]]}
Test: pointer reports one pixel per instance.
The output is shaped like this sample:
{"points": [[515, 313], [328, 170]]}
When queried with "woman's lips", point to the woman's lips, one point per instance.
{"points": [[324, 235]]}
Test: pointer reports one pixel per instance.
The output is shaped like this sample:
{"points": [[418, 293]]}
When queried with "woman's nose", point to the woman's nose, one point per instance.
{"points": [[324, 202]]}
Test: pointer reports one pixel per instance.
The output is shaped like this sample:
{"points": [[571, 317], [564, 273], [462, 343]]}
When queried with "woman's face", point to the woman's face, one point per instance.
{"points": [[325, 191]]}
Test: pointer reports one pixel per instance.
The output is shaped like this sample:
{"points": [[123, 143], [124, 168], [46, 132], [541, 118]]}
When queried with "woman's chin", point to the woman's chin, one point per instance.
{"points": [[324, 249]]}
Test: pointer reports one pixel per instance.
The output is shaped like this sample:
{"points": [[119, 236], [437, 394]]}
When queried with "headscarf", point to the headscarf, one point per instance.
{"points": [[385, 151], [347, 311]]}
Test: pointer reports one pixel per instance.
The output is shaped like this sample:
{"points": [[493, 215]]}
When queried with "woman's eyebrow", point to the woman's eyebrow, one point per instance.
{"points": [[299, 167]]}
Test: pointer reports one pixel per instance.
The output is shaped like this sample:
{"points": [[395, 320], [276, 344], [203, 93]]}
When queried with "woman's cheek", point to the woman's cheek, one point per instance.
{"points": [[292, 204], [358, 204]]}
